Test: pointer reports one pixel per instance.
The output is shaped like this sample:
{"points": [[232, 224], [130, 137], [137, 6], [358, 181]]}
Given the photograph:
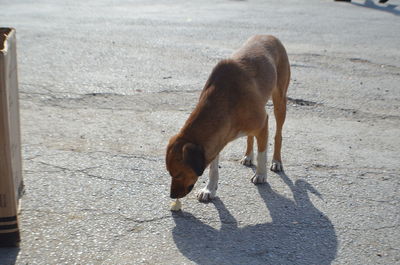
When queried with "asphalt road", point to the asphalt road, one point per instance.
{"points": [[105, 84]]}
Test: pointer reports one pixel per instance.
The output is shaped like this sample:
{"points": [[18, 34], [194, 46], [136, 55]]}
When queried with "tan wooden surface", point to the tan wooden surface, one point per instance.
{"points": [[10, 142]]}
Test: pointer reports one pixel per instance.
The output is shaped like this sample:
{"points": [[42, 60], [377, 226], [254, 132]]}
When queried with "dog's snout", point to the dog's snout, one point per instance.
{"points": [[173, 195], [190, 188]]}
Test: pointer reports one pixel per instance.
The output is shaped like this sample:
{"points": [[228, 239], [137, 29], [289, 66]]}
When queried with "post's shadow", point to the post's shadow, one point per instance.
{"points": [[8, 256], [298, 234], [385, 8]]}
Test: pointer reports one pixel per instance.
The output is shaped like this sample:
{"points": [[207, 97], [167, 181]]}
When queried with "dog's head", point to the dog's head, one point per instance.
{"points": [[185, 163]]}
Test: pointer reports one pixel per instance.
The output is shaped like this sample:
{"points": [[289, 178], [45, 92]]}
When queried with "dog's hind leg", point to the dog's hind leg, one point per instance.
{"points": [[279, 99], [248, 158], [262, 142], [209, 191]]}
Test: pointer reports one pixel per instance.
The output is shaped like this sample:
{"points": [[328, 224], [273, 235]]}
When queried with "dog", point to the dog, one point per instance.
{"points": [[231, 105]]}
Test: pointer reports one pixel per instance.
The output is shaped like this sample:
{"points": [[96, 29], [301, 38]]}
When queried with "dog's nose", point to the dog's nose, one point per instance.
{"points": [[190, 188], [173, 195]]}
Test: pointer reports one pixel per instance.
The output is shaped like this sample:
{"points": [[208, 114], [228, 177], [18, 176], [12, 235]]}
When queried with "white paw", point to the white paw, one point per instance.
{"points": [[276, 166], [206, 195], [258, 179], [247, 160]]}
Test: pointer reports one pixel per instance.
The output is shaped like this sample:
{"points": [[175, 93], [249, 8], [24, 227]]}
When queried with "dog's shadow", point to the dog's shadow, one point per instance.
{"points": [[298, 234]]}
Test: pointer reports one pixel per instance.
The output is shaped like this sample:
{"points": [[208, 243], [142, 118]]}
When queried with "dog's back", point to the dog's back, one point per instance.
{"points": [[264, 57]]}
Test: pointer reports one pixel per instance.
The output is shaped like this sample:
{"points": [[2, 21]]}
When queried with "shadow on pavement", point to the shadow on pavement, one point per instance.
{"points": [[8, 256], [386, 8], [298, 234]]}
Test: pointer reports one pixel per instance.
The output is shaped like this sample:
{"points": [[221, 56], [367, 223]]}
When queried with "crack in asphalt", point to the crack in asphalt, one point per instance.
{"points": [[348, 59], [84, 172], [109, 101], [204, 220], [99, 213]]}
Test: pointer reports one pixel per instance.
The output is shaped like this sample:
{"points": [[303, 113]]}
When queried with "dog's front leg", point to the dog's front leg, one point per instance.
{"points": [[261, 173], [262, 144], [209, 191]]}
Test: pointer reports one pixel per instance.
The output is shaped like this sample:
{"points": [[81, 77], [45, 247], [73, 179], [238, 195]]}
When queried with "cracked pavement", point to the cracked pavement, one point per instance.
{"points": [[105, 84]]}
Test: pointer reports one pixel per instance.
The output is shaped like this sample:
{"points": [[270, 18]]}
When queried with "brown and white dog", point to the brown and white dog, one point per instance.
{"points": [[231, 105]]}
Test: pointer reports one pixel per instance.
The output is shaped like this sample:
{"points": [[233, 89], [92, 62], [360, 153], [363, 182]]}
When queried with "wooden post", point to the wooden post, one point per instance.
{"points": [[10, 141]]}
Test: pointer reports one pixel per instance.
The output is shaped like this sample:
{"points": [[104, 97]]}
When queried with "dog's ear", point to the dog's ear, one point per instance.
{"points": [[193, 156]]}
